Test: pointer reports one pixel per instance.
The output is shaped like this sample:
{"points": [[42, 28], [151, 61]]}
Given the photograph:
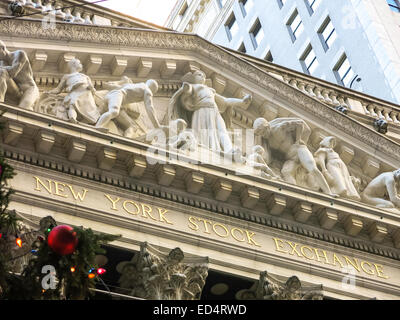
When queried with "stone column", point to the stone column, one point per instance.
{"points": [[158, 275], [270, 288]]}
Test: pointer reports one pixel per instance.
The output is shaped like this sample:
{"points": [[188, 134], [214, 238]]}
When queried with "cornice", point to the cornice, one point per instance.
{"points": [[19, 161], [54, 163]]}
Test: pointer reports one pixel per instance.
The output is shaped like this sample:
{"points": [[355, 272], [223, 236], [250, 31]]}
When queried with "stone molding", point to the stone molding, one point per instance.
{"points": [[220, 209]]}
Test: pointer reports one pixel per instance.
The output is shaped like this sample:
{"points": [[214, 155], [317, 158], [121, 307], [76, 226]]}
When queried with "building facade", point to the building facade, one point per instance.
{"points": [[252, 180], [351, 43]]}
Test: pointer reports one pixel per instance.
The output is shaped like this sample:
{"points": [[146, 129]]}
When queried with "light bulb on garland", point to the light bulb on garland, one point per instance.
{"points": [[62, 240], [91, 275], [101, 271], [18, 241], [72, 269]]}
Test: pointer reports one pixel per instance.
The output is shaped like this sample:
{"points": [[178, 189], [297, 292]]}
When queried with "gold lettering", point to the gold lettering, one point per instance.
{"points": [[79, 195], [250, 238], [193, 222], [355, 264], [124, 205], [162, 212], [223, 227], [147, 209], [379, 271], [239, 230], [60, 188], [205, 225], [303, 253], [293, 246], [279, 246], [370, 271], [324, 255], [48, 188], [114, 202], [336, 258]]}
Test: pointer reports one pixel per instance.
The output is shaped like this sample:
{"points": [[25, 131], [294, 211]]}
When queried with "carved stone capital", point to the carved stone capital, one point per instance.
{"points": [[271, 288], [163, 275]]}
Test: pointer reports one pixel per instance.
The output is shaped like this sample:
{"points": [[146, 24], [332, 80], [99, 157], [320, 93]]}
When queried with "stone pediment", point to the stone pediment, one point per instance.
{"points": [[73, 11], [108, 53], [226, 73]]}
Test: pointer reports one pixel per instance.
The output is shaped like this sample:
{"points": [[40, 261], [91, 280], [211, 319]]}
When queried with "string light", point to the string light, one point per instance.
{"points": [[101, 271], [73, 269], [91, 275], [18, 241]]}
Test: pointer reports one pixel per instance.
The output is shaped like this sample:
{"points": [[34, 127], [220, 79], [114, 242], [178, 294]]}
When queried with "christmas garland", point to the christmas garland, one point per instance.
{"points": [[61, 260]]}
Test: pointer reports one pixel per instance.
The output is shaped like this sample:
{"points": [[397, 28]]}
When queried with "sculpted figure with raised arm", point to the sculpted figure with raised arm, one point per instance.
{"points": [[207, 113]]}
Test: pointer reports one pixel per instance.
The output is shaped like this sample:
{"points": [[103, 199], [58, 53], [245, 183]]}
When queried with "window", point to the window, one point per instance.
{"points": [[245, 6], [343, 71], [181, 14], [313, 5], [242, 48], [221, 3], [268, 57], [295, 26], [256, 34], [309, 60], [231, 26], [281, 3], [394, 5], [327, 34]]}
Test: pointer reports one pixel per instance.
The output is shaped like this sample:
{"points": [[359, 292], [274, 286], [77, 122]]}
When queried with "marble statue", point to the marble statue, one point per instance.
{"points": [[289, 136], [16, 76], [256, 161], [180, 137], [335, 170], [384, 184], [123, 93], [174, 136], [207, 113], [79, 101]]}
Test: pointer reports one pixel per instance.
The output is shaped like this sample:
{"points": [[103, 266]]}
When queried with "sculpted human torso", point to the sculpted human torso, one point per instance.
{"points": [[134, 92], [75, 80], [202, 97], [24, 77]]}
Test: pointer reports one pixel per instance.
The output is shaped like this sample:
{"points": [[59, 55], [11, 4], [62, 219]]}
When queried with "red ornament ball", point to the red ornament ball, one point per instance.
{"points": [[62, 240]]}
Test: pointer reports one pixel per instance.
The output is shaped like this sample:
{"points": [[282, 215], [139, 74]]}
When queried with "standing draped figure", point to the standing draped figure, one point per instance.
{"points": [[335, 170], [207, 113]]}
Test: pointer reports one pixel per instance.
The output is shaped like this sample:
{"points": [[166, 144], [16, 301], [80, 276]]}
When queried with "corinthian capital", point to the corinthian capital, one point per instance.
{"points": [[270, 288], [158, 275]]}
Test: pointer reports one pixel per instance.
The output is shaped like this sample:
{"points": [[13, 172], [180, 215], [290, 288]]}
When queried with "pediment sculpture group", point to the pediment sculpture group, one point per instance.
{"points": [[197, 117]]}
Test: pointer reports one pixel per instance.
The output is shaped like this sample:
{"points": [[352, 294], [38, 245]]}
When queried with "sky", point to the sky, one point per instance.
{"points": [[155, 11]]}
